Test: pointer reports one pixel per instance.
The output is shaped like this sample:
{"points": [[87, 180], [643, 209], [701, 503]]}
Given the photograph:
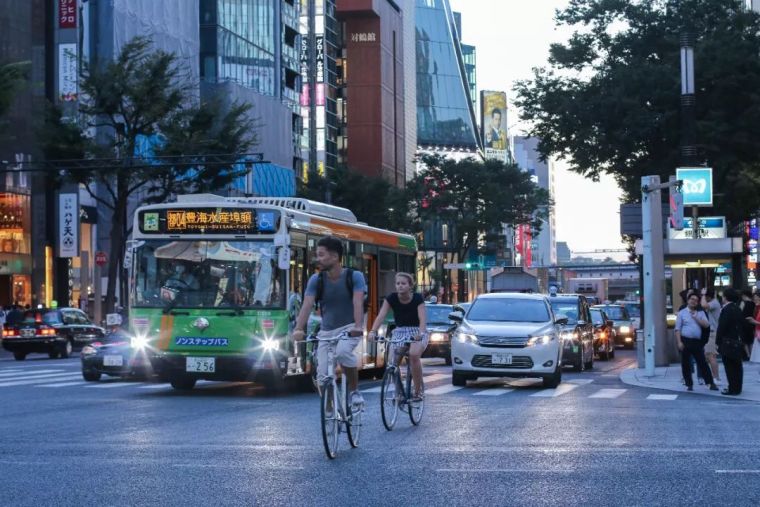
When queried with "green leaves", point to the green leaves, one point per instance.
{"points": [[609, 101]]}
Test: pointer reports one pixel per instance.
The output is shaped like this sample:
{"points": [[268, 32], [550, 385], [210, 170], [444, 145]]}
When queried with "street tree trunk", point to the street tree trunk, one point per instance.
{"points": [[117, 240]]}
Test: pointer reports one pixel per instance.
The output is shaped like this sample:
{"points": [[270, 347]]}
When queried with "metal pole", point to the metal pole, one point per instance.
{"points": [[654, 272]]}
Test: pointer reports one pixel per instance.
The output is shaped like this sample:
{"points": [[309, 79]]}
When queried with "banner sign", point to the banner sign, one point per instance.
{"points": [[67, 72], [67, 13], [68, 225]]}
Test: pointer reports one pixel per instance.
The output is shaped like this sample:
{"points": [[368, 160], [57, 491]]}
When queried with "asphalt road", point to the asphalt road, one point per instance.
{"points": [[593, 441]]}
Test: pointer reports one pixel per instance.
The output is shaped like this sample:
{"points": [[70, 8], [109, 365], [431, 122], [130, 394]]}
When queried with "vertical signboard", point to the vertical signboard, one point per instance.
{"points": [[67, 13], [304, 30], [493, 119], [68, 225], [67, 72], [697, 185]]}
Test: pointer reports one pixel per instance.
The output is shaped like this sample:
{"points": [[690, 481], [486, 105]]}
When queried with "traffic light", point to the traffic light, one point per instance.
{"points": [[472, 266]]}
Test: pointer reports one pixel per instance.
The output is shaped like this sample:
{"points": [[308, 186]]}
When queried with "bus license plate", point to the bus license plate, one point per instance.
{"points": [[200, 364], [501, 358], [113, 361]]}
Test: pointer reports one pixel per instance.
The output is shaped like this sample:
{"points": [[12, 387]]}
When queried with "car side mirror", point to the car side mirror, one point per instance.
{"points": [[610, 323], [581, 322], [561, 319], [456, 317]]}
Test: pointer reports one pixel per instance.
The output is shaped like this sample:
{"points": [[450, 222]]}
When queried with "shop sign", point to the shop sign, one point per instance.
{"points": [[68, 225], [364, 37], [709, 228], [67, 72], [67, 13]]}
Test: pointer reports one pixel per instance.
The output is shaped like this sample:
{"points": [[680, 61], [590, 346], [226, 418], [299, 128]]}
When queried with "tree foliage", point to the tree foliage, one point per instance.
{"points": [[12, 78], [141, 104], [609, 100]]}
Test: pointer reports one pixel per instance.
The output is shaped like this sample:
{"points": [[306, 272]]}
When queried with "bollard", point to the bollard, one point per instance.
{"points": [[640, 348]]}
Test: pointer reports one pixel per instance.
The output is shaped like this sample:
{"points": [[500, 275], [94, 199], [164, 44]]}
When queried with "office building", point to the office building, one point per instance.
{"points": [[564, 255], [469, 59]]}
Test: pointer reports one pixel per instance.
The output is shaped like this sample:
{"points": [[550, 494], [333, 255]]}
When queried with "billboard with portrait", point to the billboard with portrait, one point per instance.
{"points": [[493, 121]]}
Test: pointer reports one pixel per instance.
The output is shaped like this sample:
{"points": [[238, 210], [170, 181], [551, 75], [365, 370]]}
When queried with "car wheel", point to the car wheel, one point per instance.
{"points": [[448, 360], [612, 352], [67, 349], [459, 379], [54, 354], [604, 355], [590, 364], [553, 380], [19, 356], [90, 376], [578, 366], [182, 383]]}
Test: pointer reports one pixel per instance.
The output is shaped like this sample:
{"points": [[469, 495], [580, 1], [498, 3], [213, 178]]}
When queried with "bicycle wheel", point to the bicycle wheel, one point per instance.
{"points": [[353, 422], [389, 398], [416, 407], [329, 414]]}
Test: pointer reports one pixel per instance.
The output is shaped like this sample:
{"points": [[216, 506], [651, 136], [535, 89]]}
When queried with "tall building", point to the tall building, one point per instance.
{"points": [[544, 245], [564, 255], [445, 111], [468, 56]]}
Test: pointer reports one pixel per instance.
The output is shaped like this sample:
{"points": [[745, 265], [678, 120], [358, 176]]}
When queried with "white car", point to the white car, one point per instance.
{"points": [[508, 335]]}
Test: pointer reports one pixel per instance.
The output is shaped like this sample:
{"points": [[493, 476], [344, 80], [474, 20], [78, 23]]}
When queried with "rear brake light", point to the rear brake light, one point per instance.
{"points": [[45, 331], [10, 333]]}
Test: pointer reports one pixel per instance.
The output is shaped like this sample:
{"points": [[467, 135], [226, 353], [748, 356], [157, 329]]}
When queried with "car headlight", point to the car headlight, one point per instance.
{"points": [[467, 338], [569, 335], [270, 344], [88, 350], [540, 340], [625, 329], [438, 337], [139, 342]]}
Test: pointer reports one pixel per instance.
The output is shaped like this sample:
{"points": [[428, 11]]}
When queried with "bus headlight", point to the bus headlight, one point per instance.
{"points": [[270, 344], [139, 342]]}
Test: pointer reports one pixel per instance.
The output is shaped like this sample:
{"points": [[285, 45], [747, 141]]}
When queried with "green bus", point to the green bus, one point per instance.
{"points": [[216, 283]]}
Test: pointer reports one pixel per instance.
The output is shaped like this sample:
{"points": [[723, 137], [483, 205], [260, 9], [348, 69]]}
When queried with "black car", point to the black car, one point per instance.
{"points": [[625, 333], [604, 334], [55, 332], [439, 329], [118, 354], [578, 333]]}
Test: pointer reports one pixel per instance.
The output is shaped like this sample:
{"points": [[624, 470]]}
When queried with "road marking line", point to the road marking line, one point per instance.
{"points": [[32, 377], [553, 393], [65, 376], [443, 389], [608, 393], [737, 471], [373, 389], [155, 386], [580, 381], [495, 391], [435, 376], [63, 384], [503, 470], [39, 372], [111, 384], [664, 397]]}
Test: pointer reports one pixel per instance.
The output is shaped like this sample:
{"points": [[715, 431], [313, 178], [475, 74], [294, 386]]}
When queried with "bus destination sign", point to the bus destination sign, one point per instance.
{"points": [[209, 220]]}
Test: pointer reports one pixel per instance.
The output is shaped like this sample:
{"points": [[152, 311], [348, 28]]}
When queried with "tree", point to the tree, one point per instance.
{"points": [[609, 100], [12, 77], [374, 201], [140, 99], [475, 198]]}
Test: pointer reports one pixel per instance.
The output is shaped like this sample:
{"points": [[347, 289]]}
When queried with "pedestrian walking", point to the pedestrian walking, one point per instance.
{"points": [[729, 341], [748, 330], [712, 307], [755, 321], [689, 325]]}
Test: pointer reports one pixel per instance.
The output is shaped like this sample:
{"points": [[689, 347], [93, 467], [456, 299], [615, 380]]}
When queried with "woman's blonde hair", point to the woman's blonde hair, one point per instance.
{"points": [[407, 276]]}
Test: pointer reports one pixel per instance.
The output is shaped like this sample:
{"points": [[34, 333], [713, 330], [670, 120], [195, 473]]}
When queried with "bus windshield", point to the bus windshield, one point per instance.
{"points": [[202, 274]]}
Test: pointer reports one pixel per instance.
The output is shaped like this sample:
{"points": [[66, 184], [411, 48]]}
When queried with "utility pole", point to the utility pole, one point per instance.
{"points": [[688, 114]]}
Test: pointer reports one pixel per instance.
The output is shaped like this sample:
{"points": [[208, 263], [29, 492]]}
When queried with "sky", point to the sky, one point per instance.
{"points": [[512, 37]]}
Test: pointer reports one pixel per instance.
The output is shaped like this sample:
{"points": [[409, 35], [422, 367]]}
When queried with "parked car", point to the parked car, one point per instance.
{"points": [[439, 328], [624, 329], [604, 334], [578, 332], [117, 354], [56, 332], [507, 335]]}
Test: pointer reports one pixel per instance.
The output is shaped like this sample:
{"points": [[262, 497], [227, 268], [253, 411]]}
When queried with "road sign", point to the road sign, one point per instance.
{"points": [[676, 207], [697, 185], [709, 227], [101, 259]]}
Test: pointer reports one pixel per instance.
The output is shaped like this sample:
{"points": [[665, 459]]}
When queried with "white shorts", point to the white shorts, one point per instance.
{"points": [[345, 350]]}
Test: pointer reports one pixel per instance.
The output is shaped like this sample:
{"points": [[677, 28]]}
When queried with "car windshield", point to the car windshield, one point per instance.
{"points": [[438, 314], [634, 311], [508, 310], [616, 313], [203, 274], [567, 308], [597, 317]]}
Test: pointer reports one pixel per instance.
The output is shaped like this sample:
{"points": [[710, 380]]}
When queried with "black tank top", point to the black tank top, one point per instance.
{"points": [[405, 315]]}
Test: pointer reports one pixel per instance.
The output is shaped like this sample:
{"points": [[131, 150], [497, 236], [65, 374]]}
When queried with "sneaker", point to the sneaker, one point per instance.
{"points": [[713, 387], [689, 388], [701, 381], [357, 401], [717, 382]]}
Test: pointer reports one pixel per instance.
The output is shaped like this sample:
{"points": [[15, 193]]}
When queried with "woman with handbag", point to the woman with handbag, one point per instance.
{"points": [[755, 320], [730, 344]]}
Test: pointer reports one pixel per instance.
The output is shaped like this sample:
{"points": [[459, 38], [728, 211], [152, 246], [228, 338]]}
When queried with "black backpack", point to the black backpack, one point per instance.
{"points": [[349, 286]]}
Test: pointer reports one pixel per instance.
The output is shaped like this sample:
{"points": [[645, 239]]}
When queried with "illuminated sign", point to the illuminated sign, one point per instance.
{"points": [[209, 221], [364, 37]]}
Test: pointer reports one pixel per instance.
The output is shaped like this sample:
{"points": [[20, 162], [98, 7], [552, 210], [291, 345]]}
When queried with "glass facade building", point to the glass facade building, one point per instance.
{"points": [[445, 112], [468, 54]]}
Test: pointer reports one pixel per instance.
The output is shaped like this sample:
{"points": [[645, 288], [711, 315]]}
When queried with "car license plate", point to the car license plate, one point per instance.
{"points": [[501, 358], [200, 364], [113, 361], [26, 333]]}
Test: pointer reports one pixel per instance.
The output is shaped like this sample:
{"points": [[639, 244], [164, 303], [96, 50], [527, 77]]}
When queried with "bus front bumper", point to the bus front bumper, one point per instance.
{"points": [[225, 367]]}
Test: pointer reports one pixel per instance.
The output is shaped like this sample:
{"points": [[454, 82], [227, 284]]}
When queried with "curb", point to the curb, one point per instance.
{"points": [[631, 377]]}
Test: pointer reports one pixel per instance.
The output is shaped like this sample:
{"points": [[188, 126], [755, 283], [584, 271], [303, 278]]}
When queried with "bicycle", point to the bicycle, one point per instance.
{"points": [[395, 392], [334, 403]]}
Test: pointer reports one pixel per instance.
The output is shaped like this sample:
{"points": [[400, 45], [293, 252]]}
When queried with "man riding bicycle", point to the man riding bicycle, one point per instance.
{"points": [[342, 312]]}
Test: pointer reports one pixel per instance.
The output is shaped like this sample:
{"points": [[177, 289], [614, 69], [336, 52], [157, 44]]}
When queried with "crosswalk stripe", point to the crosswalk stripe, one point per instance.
{"points": [[580, 381], [435, 376], [608, 393], [40, 380], [4, 375], [376, 389], [495, 391], [110, 385], [34, 377], [663, 397], [154, 386], [62, 384], [443, 389], [553, 393]]}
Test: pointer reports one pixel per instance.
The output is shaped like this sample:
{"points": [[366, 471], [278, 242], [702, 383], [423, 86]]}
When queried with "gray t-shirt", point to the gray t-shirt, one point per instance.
{"points": [[688, 326], [713, 312], [337, 304]]}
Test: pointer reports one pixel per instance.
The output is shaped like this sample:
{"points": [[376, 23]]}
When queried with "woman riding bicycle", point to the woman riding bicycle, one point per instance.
{"points": [[411, 321]]}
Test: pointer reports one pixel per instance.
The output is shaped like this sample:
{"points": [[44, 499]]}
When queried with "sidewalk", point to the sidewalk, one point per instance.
{"points": [[669, 378]]}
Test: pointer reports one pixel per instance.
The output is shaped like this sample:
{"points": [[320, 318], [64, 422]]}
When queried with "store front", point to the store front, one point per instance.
{"points": [[15, 249]]}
